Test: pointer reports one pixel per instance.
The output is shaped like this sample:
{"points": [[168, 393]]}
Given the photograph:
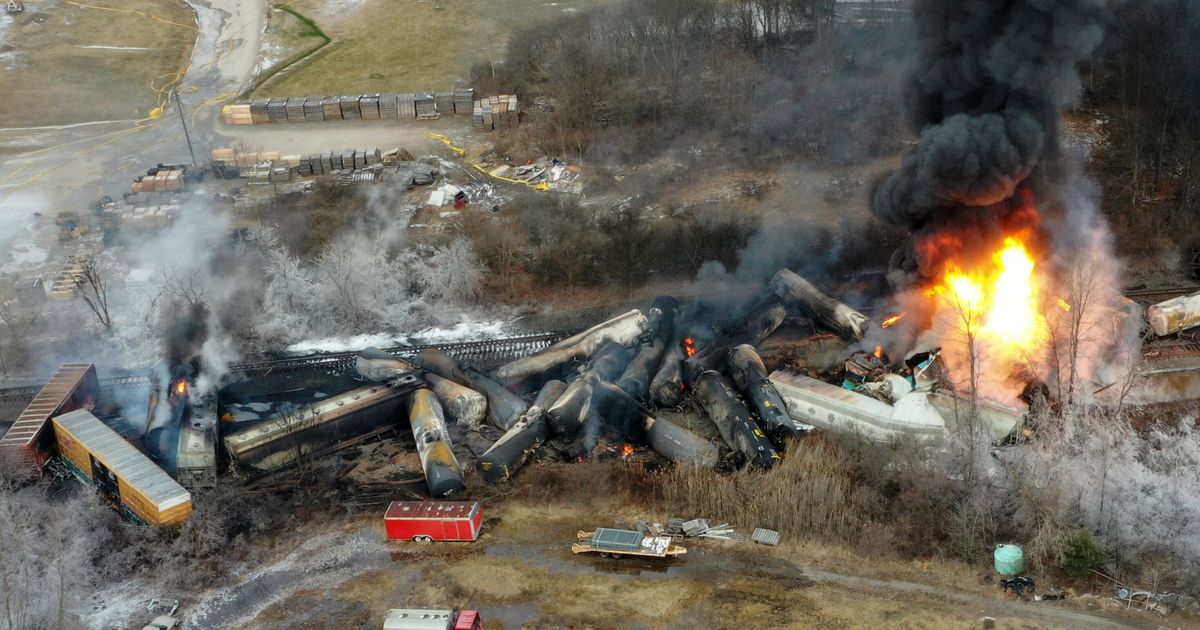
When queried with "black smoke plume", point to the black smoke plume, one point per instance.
{"points": [[990, 79]]}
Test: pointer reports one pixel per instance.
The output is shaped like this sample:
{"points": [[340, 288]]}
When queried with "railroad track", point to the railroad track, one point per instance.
{"points": [[1153, 296], [478, 352]]}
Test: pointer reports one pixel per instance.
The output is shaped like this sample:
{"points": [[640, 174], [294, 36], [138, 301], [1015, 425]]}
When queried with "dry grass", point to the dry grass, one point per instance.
{"points": [[51, 78], [811, 493], [405, 45]]}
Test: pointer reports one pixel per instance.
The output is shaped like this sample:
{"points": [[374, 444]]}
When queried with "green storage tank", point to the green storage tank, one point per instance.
{"points": [[1010, 560]]}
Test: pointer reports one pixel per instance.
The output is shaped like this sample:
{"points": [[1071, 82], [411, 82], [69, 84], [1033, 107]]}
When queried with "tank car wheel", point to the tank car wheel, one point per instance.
{"points": [[603, 554], [423, 539], [616, 555]]}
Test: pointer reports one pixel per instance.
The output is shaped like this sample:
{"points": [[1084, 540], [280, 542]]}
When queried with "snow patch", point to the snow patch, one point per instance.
{"points": [[466, 330], [346, 344]]}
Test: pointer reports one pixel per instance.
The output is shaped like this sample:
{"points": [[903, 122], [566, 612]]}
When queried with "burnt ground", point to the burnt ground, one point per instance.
{"points": [[339, 572]]}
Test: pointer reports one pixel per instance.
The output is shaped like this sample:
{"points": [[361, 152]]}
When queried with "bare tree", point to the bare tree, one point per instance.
{"points": [[17, 321], [92, 287]]}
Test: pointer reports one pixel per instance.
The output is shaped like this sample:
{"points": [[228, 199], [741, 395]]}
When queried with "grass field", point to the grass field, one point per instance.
{"points": [[406, 45], [69, 63]]}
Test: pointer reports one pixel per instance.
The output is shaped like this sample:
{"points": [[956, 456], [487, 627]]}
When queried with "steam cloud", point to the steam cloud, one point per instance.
{"points": [[988, 83]]}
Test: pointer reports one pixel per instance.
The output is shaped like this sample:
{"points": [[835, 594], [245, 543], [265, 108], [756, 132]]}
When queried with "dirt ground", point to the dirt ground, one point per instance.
{"points": [[66, 62], [522, 574], [406, 45]]}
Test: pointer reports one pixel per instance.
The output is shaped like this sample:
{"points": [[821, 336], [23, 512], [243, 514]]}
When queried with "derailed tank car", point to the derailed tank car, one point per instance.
{"points": [[281, 440], [100, 457]]}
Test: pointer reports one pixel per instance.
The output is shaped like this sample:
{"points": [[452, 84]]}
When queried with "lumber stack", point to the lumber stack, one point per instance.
{"points": [[237, 114], [163, 181], [243, 159], [501, 111]]}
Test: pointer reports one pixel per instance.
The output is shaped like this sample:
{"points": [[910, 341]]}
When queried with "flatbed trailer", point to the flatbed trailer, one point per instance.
{"points": [[621, 542]]}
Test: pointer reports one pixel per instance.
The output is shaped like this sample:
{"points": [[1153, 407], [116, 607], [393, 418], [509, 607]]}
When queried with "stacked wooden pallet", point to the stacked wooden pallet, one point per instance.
{"points": [[258, 111], [312, 110], [350, 108], [237, 114], [407, 105], [163, 181], [369, 105], [330, 161], [244, 158], [331, 108], [426, 106], [464, 100], [295, 110], [496, 112], [444, 102], [65, 286], [403, 106]]}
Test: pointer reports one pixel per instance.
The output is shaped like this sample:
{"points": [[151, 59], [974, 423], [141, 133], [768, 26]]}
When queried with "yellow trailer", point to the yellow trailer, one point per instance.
{"points": [[100, 457]]}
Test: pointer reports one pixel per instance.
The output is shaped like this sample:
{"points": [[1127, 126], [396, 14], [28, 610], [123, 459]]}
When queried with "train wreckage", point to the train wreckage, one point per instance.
{"points": [[674, 382]]}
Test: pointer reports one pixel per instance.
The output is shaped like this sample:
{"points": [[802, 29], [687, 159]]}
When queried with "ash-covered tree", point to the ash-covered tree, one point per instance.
{"points": [[91, 284], [451, 273]]}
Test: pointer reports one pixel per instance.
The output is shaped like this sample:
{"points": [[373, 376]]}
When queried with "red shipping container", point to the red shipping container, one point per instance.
{"points": [[433, 520]]}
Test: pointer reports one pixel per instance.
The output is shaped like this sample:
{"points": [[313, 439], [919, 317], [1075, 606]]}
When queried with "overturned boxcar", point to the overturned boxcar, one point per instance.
{"points": [[120, 473], [26, 444], [284, 439]]}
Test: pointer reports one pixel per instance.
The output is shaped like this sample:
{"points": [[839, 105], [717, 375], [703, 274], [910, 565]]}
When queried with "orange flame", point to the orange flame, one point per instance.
{"points": [[878, 352], [887, 323], [994, 304], [181, 388], [627, 450], [689, 346]]}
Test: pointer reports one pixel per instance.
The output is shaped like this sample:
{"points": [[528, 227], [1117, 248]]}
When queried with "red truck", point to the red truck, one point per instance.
{"points": [[420, 619], [427, 521]]}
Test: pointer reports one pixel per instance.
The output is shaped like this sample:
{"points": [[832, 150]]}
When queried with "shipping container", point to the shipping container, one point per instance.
{"points": [[100, 457], [425, 521], [27, 443]]}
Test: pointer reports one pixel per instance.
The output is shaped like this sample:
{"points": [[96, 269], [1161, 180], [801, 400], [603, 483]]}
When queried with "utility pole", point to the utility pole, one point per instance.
{"points": [[183, 121]]}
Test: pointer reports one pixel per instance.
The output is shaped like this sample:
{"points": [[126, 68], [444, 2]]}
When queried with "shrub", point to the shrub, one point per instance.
{"points": [[1080, 554]]}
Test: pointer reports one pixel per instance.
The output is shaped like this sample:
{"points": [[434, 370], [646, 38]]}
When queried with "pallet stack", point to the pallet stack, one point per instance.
{"points": [[426, 106], [312, 110], [243, 159], [369, 105], [258, 111], [277, 111], [444, 102], [163, 181], [389, 107], [500, 112], [464, 100], [330, 161], [496, 112], [350, 108], [407, 105], [237, 114], [295, 110]]}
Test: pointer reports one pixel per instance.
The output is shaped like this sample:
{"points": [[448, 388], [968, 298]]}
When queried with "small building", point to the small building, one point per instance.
{"points": [[426, 521]]}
